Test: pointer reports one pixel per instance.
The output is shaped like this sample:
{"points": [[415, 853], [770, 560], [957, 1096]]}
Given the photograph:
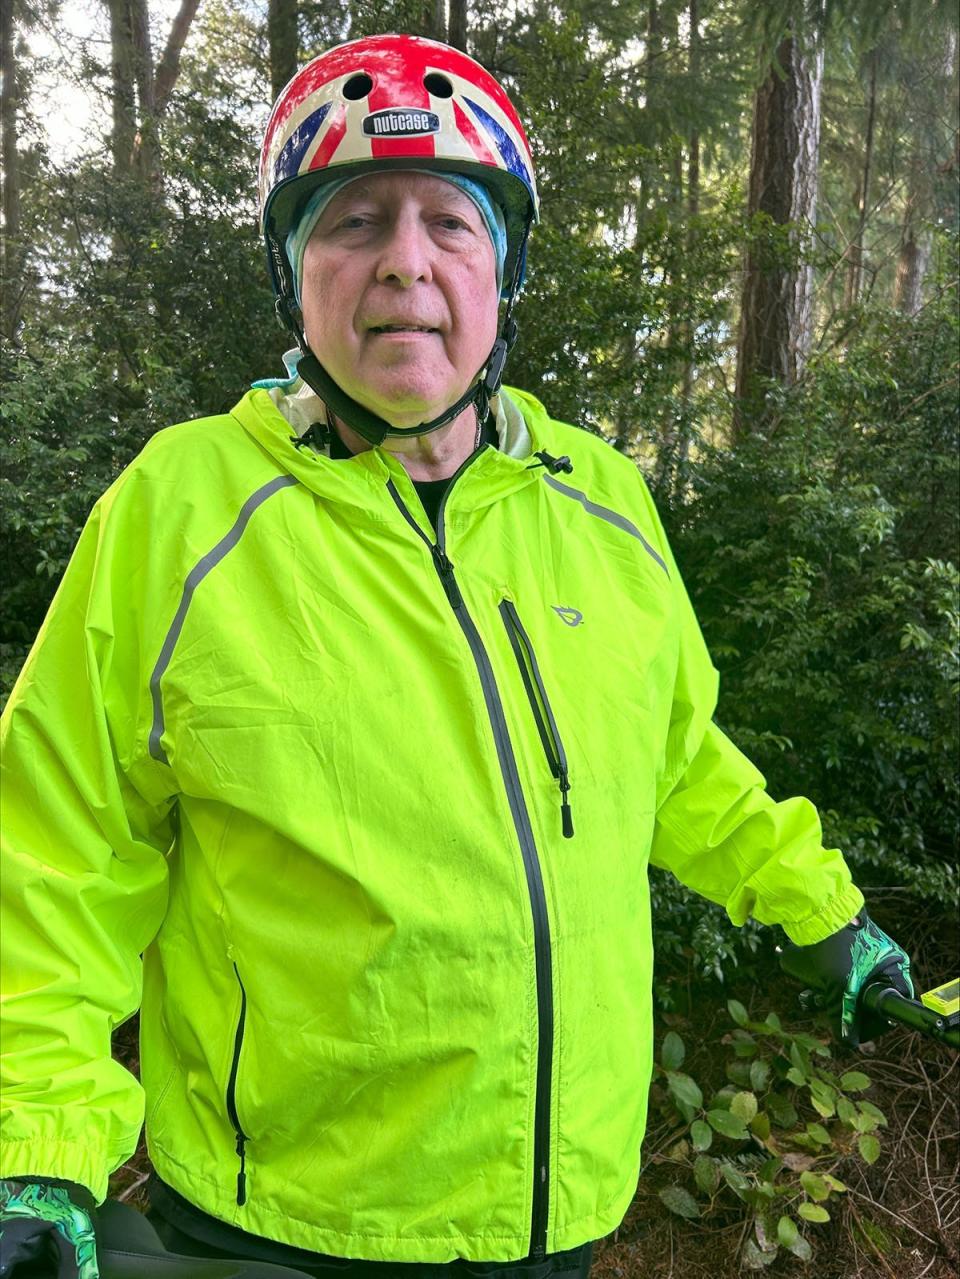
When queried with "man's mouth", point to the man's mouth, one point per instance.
{"points": [[401, 328]]}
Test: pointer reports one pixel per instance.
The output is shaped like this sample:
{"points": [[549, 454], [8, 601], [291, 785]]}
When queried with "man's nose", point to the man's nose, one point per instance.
{"points": [[405, 258]]}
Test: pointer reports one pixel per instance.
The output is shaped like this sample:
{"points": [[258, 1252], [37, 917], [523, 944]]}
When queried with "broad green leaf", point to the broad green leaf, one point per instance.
{"points": [[774, 1022], [760, 1125], [847, 1111], [745, 1047], [854, 1081], [737, 1012], [824, 1091], [814, 1185], [796, 1076], [680, 1201], [744, 1106], [822, 1107], [801, 1249], [759, 1075], [753, 1258], [738, 1072], [868, 1108], [787, 1231], [701, 1135], [819, 1134], [673, 1051], [834, 1184], [869, 1147], [684, 1089], [800, 1059], [706, 1173], [728, 1125], [769, 1168], [781, 1110], [813, 1212]]}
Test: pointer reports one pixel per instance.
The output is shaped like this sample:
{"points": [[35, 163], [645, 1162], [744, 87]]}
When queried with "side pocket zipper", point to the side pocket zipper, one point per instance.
{"points": [[540, 705], [242, 1137]]}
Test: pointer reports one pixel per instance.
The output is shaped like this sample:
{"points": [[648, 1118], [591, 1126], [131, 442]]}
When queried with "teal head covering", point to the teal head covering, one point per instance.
{"points": [[493, 219]]}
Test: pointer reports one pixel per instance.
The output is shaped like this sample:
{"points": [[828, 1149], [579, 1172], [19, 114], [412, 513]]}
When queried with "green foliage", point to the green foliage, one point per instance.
{"points": [[821, 558], [772, 1139]]}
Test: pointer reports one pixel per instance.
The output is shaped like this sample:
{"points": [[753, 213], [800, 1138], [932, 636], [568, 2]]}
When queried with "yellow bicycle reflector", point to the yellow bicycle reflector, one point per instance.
{"points": [[944, 999]]}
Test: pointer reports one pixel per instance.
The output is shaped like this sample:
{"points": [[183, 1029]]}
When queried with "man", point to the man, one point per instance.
{"points": [[360, 713]]}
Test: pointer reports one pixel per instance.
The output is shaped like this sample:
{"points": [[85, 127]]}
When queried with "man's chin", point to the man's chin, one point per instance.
{"points": [[405, 408]]}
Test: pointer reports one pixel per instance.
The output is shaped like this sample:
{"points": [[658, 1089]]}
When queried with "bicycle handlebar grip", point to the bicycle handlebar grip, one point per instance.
{"points": [[882, 999]]}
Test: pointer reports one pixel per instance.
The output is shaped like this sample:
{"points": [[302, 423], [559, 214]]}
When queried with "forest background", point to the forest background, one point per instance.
{"points": [[746, 280]]}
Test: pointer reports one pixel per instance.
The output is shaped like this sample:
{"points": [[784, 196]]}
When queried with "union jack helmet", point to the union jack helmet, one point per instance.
{"points": [[392, 102]]}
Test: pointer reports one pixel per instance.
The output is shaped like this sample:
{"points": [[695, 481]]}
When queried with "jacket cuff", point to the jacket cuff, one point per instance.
{"points": [[830, 918], [58, 1161]]}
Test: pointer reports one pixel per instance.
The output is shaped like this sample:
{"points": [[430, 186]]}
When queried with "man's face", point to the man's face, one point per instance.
{"points": [[399, 294]]}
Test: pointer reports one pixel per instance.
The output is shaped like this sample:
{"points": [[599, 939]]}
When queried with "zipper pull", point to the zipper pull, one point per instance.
{"points": [[241, 1175], [566, 816], [445, 569]]}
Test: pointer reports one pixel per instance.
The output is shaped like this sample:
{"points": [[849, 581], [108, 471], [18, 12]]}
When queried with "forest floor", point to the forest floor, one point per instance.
{"points": [[900, 1217]]}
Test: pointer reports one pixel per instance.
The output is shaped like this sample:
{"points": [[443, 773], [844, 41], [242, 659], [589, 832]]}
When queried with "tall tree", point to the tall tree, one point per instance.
{"points": [[123, 88], [855, 252], [12, 258], [283, 38], [457, 29], [140, 92], [776, 313]]}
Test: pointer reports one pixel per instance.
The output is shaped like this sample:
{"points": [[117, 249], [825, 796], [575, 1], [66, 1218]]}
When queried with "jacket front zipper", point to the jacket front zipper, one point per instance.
{"points": [[531, 862], [242, 1137], [540, 705]]}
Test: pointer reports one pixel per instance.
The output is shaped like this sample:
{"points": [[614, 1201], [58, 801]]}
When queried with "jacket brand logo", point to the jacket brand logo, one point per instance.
{"points": [[572, 616], [402, 122]]}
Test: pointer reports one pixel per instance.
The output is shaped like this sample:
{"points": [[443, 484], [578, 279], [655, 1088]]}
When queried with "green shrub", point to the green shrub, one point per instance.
{"points": [[772, 1139]]}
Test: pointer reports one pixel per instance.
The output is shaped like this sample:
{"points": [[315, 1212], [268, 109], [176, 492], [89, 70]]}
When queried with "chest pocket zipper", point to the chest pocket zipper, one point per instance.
{"points": [[242, 1137], [540, 705]]}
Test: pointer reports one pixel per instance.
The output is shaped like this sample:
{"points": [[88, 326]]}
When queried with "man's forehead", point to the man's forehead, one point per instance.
{"points": [[380, 185]]}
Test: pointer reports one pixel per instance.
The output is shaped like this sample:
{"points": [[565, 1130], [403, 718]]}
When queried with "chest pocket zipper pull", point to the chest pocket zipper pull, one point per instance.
{"points": [[566, 816]]}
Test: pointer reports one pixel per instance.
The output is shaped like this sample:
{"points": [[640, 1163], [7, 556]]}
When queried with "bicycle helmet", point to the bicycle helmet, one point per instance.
{"points": [[393, 102]]}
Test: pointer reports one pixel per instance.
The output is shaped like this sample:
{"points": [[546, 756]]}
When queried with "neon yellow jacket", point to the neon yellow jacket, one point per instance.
{"points": [[377, 810]]}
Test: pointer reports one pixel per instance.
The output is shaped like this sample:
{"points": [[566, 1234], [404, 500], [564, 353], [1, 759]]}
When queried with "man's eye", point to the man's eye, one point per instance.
{"points": [[452, 223], [353, 221]]}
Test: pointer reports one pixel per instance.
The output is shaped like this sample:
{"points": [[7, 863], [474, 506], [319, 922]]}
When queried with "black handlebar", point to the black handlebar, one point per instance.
{"points": [[887, 1002]]}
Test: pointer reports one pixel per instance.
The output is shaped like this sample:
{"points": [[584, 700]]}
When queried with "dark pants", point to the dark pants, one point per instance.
{"points": [[127, 1239]]}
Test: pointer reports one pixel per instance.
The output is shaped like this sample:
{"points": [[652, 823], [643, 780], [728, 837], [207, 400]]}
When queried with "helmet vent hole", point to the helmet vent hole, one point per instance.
{"points": [[357, 87], [438, 85]]}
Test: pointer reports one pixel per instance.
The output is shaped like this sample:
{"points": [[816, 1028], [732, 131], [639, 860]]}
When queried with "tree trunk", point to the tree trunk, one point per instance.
{"points": [[284, 43], [145, 155], [439, 24], [648, 171], [168, 68], [13, 257], [776, 317], [693, 212], [854, 279], [122, 68], [911, 268], [457, 30]]}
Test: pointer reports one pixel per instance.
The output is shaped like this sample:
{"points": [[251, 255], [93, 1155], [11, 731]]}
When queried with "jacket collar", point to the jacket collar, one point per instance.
{"points": [[278, 412]]}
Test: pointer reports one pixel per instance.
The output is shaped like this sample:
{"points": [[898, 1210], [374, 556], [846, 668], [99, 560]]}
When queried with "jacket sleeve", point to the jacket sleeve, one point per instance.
{"points": [[84, 876], [717, 830]]}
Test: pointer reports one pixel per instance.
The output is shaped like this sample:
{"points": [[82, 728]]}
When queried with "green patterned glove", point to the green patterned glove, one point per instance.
{"points": [[45, 1232], [839, 967]]}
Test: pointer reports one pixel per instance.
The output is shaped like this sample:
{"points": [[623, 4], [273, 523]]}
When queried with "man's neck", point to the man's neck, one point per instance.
{"points": [[426, 457]]}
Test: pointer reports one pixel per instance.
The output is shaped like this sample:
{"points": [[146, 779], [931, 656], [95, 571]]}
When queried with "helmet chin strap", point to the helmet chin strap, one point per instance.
{"points": [[374, 429]]}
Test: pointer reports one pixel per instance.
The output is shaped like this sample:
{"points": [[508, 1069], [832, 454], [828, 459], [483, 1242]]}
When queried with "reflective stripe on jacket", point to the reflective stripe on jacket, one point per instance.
{"points": [[377, 807]]}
